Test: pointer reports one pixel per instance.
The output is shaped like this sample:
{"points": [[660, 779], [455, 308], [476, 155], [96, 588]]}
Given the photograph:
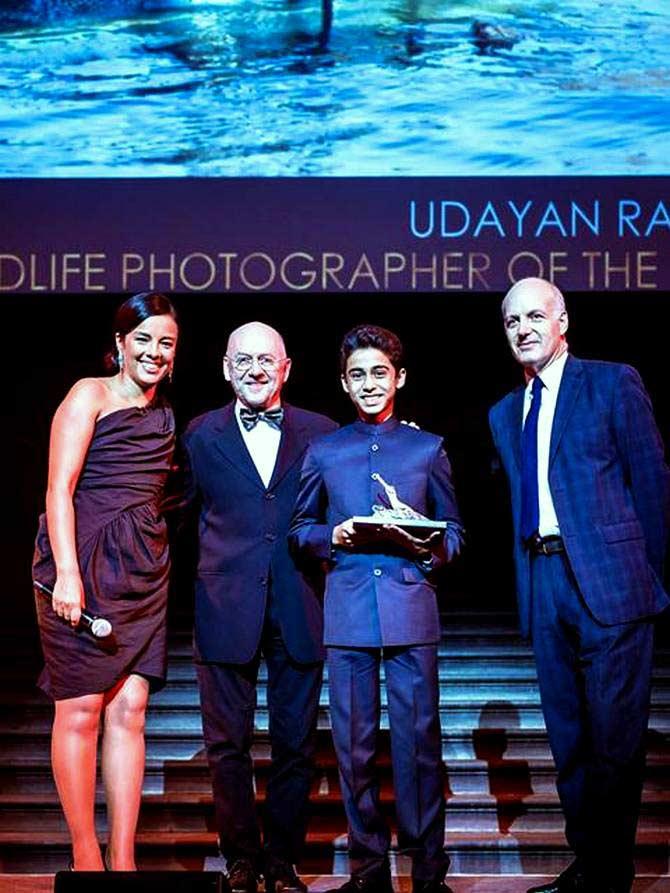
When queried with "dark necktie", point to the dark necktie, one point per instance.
{"points": [[530, 502], [251, 417]]}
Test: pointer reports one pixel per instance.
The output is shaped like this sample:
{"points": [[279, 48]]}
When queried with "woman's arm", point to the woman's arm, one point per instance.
{"points": [[71, 433]]}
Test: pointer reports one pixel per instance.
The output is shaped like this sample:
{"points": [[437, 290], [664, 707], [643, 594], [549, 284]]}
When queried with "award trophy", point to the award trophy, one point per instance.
{"points": [[397, 513]]}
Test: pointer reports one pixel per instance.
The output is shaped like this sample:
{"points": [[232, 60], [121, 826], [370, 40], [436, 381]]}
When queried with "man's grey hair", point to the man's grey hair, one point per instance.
{"points": [[559, 300]]}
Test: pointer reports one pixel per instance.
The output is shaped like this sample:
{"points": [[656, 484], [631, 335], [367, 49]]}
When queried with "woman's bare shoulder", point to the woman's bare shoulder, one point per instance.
{"points": [[87, 396]]}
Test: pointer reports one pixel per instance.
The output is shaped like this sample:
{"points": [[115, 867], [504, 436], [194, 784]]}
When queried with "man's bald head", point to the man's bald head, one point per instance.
{"points": [[542, 288], [256, 365], [255, 333]]}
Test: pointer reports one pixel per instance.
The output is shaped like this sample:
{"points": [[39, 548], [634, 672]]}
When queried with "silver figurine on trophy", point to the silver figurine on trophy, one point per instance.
{"points": [[397, 513]]}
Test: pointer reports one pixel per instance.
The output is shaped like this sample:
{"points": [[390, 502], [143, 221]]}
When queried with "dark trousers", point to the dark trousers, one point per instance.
{"points": [[228, 701], [416, 753], [595, 688]]}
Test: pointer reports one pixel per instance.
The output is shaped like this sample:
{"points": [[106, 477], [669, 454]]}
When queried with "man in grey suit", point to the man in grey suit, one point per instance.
{"points": [[243, 468], [591, 504]]}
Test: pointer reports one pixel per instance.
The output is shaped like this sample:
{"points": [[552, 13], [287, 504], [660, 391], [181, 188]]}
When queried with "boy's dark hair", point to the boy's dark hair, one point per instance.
{"points": [[371, 336]]}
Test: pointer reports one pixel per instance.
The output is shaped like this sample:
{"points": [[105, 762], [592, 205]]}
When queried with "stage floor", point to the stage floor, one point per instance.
{"points": [[43, 883]]}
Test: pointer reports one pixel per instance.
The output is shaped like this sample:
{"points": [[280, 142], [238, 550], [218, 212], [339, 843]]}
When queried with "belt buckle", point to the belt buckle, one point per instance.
{"points": [[538, 545]]}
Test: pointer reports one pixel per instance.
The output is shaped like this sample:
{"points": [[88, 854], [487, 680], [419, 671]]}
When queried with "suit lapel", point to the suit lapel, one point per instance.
{"points": [[228, 442], [291, 446], [571, 385]]}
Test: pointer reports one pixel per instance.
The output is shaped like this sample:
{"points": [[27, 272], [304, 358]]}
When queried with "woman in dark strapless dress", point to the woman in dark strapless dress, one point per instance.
{"points": [[102, 545]]}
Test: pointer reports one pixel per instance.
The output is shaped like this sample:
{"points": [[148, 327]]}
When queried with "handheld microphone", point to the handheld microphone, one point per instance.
{"points": [[96, 626]]}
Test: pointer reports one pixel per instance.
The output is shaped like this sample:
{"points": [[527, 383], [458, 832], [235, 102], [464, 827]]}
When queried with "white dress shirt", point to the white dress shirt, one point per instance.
{"points": [[551, 377], [263, 445]]}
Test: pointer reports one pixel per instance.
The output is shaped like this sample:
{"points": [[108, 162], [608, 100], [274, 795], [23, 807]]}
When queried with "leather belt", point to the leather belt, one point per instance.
{"points": [[545, 545]]}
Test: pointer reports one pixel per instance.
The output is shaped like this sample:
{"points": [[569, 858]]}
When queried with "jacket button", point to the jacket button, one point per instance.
{"points": [[270, 537], [377, 572], [269, 495], [374, 447]]}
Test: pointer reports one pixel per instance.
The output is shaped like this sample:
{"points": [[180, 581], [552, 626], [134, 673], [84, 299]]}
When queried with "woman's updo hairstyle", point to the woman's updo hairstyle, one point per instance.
{"points": [[132, 313]]}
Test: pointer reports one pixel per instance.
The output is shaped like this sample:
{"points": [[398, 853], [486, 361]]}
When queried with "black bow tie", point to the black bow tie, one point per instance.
{"points": [[251, 417]]}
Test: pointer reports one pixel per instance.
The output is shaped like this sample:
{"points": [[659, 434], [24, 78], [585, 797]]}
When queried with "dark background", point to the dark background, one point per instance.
{"points": [[458, 365]]}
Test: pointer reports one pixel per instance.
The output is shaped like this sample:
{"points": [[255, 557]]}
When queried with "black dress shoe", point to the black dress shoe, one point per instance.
{"points": [[280, 877], [570, 881], [376, 882], [242, 877]]}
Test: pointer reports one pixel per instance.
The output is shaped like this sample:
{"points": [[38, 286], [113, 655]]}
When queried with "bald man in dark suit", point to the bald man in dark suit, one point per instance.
{"points": [[243, 467]]}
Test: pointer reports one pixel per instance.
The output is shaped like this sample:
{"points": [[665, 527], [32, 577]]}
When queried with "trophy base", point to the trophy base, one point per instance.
{"points": [[421, 528]]}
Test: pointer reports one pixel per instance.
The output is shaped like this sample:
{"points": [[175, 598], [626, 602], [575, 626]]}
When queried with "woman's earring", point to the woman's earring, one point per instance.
{"points": [[119, 360], [170, 372]]}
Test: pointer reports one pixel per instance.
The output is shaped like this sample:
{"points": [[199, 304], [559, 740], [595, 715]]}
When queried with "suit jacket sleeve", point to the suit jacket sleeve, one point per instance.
{"points": [[181, 493], [642, 455], [442, 502], [494, 429], [310, 536]]}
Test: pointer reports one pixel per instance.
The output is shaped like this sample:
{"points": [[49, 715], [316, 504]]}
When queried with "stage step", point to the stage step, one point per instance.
{"points": [[319, 883], [464, 776], [178, 748], [503, 814], [187, 812], [542, 851]]}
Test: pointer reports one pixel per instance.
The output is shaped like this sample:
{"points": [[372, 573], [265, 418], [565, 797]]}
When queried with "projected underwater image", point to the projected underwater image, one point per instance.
{"points": [[333, 88]]}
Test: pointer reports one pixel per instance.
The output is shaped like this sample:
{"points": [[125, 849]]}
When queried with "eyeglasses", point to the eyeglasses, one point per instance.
{"points": [[244, 362]]}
